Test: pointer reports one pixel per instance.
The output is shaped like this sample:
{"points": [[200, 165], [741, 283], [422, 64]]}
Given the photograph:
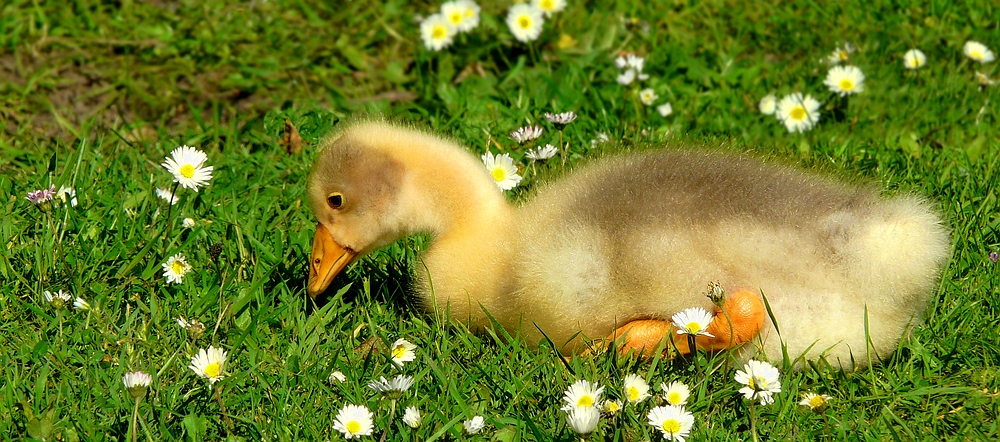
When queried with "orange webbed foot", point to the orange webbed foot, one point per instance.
{"points": [[746, 318]]}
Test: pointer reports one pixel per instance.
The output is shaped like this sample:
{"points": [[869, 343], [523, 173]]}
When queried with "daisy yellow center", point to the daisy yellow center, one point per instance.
{"points": [[611, 407], [468, 13], [187, 170], [353, 427], [547, 5], [976, 55], [439, 32], [671, 426], [816, 401], [212, 370], [847, 84], [633, 394], [798, 113], [524, 22], [674, 398], [499, 174], [398, 351], [694, 326], [177, 267], [585, 401], [914, 62], [456, 17]]}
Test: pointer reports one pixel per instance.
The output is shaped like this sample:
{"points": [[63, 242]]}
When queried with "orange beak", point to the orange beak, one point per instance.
{"points": [[328, 259]]}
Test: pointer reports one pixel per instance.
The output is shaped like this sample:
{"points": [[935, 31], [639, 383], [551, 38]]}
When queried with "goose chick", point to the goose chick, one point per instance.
{"points": [[632, 238]]}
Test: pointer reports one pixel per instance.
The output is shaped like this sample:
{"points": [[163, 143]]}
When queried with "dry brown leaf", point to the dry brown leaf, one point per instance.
{"points": [[291, 140]]}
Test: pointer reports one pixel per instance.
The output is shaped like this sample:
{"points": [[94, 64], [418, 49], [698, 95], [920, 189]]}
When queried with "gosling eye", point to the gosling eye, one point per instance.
{"points": [[335, 200]]}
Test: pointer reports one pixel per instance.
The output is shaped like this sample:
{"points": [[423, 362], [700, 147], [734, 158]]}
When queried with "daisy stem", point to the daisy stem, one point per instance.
{"points": [[135, 417], [753, 422], [638, 108], [222, 410], [564, 149], [694, 351], [170, 207], [392, 415]]}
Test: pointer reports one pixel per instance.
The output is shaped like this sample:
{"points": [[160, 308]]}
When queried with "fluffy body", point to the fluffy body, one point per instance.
{"points": [[639, 236]]}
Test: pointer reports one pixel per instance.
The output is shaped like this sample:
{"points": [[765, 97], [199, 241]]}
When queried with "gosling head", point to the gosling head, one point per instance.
{"points": [[354, 190]]}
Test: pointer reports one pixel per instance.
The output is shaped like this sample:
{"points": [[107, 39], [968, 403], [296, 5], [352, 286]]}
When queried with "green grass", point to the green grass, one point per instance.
{"points": [[94, 96]]}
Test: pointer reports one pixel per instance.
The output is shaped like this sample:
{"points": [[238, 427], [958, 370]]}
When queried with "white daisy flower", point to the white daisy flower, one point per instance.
{"points": [[845, 80], [665, 110], [402, 351], [525, 22], [437, 32], [165, 195], [209, 364], [648, 96], [57, 299], [502, 169], [80, 304], [583, 421], [67, 195], [672, 420], [175, 268], [798, 113], [760, 380], [582, 394], [768, 104], [978, 52], [527, 133], [188, 166], [631, 66], [411, 417], [354, 421], [636, 388], [816, 402], [626, 77], [336, 377], [471, 15], [460, 13], [841, 54], [692, 321], [634, 62], [474, 425], [561, 120], [542, 152], [394, 387], [549, 7], [676, 393], [136, 383], [914, 59], [188, 223], [611, 408]]}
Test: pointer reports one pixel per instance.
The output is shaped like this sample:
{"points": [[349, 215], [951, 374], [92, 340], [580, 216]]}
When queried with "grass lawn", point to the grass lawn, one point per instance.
{"points": [[95, 95]]}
